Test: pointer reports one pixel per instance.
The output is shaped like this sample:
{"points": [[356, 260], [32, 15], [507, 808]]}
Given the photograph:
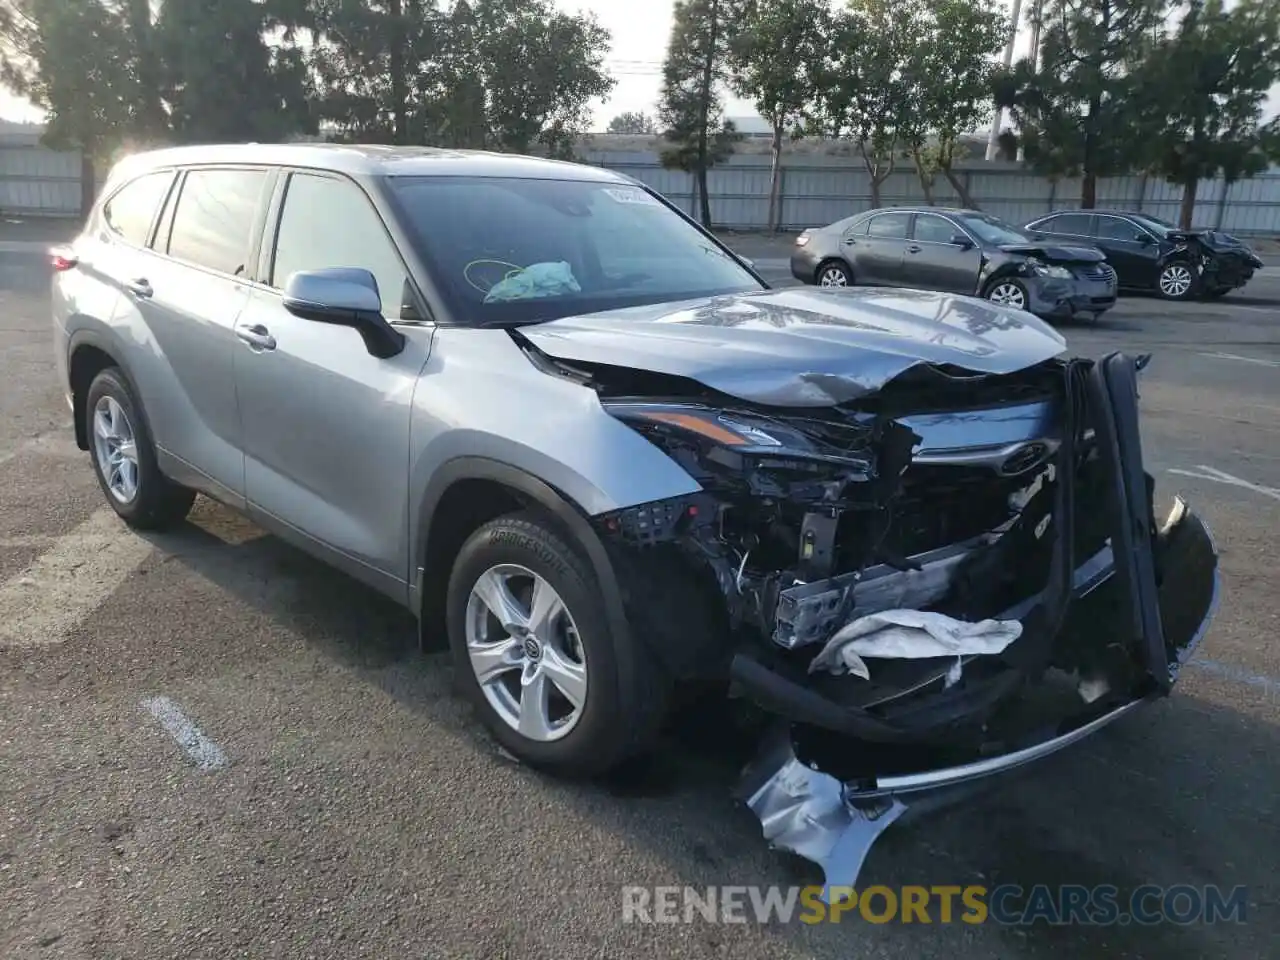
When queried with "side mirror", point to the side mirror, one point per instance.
{"points": [[961, 241], [345, 297]]}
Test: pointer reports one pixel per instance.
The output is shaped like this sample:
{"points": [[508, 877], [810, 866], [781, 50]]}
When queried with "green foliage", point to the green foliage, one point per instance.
{"points": [[949, 70], [497, 74], [633, 123], [1077, 109], [771, 47], [220, 78], [690, 108], [71, 58], [1203, 89]]}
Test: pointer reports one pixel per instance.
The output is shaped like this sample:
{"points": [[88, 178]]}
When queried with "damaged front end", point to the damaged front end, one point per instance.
{"points": [[1014, 498]]}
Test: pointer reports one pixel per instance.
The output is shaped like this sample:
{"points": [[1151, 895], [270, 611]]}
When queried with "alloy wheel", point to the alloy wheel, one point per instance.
{"points": [[1175, 280], [116, 449], [1009, 294], [526, 653], [833, 277]]}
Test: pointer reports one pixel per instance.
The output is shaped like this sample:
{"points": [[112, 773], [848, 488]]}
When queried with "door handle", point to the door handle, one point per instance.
{"points": [[139, 288], [256, 336], [913, 249], [850, 241]]}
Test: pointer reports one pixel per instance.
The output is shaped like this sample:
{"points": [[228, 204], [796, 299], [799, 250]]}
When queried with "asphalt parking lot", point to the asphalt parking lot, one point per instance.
{"points": [[351, 808]]}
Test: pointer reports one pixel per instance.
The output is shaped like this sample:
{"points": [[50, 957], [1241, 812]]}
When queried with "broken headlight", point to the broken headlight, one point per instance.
{"points": [[1042, 269], [743, 433]]}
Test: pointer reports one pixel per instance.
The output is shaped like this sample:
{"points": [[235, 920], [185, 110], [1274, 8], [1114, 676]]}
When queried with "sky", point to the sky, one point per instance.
{"points": [[640, 29]]}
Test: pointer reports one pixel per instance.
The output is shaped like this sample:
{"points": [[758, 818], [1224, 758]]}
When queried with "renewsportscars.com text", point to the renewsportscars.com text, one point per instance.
{"points": [[1008, 904]]}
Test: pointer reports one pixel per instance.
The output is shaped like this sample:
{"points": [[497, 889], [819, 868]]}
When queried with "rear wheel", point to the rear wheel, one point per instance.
{"points": [[124, 458], [534, 652], [1177, 281], [1009, 292], [834, 273]]}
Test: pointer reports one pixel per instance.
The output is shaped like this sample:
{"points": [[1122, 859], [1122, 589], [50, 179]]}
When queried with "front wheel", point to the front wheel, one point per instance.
{"points": [[1177, 281], [534, 652], [1009, 292]]}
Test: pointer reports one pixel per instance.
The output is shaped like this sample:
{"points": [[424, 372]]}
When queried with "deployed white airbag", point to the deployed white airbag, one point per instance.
{"points": [[910, 635]]}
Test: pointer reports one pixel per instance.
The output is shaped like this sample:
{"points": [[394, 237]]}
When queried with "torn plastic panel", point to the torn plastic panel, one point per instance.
{"points": [[828, 799]]}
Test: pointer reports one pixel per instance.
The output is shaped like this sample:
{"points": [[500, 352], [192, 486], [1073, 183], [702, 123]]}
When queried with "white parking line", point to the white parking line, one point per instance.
{"points": [[1240, 359], [200, 750], [1218, 476], [45, 602]]}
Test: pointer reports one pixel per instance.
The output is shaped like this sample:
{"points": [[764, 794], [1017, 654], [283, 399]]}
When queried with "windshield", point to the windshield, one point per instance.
{"points": [[991, 229], [512, 250]]}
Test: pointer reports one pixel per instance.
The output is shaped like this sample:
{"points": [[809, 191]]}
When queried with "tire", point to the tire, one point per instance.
{"points": [[1177, 281], [113, 420], [1009, 292], [833, 273], [622, 699]]}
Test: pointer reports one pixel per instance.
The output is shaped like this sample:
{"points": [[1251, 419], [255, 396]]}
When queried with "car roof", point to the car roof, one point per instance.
{"points": [[949, 211], [1104, 211], [374, 160]]}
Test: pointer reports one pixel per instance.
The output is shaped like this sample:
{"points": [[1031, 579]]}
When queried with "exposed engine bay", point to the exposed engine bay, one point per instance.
{"points": [[1015, 498]]}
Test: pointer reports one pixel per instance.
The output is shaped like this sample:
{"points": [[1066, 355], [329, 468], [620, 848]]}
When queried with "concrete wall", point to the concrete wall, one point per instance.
{"points": [[818, 190], [36, 181]]}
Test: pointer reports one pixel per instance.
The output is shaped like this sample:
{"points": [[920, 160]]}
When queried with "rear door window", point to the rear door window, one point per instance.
{"points": [[215, 217], [1114, 228], [890, 226], [131, 210], [329, 222], [1069, 224]]}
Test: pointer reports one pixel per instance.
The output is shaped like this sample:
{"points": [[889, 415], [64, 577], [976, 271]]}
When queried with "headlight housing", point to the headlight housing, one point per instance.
{"points": [[736, 432], [1041, 269]]}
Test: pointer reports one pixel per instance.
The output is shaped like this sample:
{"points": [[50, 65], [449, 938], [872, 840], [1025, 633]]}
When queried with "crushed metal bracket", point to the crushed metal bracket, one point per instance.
{"points": [[805, 811]]}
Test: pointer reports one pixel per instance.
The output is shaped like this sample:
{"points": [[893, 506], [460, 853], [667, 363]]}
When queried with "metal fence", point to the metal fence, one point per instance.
{"points": [[36, 181], [819, 190]]}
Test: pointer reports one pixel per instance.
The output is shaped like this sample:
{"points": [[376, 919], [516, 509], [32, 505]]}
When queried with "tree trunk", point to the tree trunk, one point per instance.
{"points": [[1089, 191], [958, 185], [397, 67], [775, 180], [704, 200], [926, 179], [1188, 212], [705, 94], [88, 183]]}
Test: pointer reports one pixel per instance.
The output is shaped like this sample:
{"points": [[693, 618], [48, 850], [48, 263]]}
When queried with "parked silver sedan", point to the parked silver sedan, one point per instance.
{"points": [[958, 251]]}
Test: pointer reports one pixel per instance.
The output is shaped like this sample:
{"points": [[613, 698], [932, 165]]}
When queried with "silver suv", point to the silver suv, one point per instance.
{"points": [[570, 430]]}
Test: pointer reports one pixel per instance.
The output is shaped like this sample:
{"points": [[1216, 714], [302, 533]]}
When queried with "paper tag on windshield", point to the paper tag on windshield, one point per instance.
{"points": [[631, 195]]}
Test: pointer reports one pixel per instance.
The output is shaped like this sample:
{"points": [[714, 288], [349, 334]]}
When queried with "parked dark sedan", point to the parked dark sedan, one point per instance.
{"points": [[1152, 254], [959, 251]]}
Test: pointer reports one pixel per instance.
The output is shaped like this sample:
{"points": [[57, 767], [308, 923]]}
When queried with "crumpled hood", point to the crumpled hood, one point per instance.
{"points": [[803, 346], [1056, 252]]}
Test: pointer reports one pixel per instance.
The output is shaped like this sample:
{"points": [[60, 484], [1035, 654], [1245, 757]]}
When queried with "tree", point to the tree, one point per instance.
{"points": [[633, 123], [1204, 87], [949, 71], [504, 74], [690, 107], [71, 58], [863, 89], [1077, 110], [772, 44], [221, 79]]}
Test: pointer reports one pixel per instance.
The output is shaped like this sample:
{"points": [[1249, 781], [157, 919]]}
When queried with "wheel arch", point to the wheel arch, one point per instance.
{"points": [[89, 352], [835, 260], [467, 492]]}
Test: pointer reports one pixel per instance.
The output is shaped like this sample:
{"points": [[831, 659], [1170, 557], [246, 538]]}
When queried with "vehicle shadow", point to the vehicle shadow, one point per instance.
{"points": [[1181, 793]]}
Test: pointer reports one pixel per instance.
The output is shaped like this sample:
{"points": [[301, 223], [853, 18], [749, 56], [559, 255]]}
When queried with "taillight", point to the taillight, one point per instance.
{"points": [[63, 258]]}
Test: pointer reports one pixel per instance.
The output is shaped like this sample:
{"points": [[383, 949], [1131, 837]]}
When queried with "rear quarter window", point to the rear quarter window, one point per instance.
{"points": [[131, 210]]}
